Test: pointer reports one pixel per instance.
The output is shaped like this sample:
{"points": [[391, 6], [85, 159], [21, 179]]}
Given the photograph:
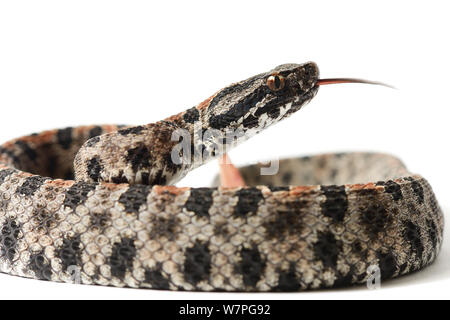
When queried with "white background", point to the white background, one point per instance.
{"points": [[81, 62]]}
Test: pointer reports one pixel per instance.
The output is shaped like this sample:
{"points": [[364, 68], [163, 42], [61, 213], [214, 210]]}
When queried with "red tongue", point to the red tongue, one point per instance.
{"points": [[322, 82]]}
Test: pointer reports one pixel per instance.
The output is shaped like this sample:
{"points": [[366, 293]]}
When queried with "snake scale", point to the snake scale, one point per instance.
{"points": [[116, 217]]}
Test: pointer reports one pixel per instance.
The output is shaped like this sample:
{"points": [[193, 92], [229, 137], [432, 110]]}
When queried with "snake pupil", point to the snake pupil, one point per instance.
{"points": [[277, 82]]}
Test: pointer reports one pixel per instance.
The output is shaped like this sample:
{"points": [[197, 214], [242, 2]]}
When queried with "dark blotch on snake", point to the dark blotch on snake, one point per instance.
{"points": [[9, 154], [9, 237], [335, 204], [199, 201], [4, 173], [164, 227], [95, 131], [191, 115], [139, 157], [392, 188], [120, 178], [197, 263], [284, 223], [248, 202], [77, 194], [375, 219], [27, 150], [413, 236], [417, 189], [156, 279], [327, 249], [288, 280], [94, 168], [134, 197], [133, 130], [30, 185], [64, 137], [251, 266], [433, 238], [343, 280], [159, 178], [41, 267], [70, 252], [387, 264], [122, 257]]}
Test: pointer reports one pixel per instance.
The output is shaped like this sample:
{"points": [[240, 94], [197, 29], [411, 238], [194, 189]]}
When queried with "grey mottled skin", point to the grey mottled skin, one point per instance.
{"points": [[320, 222]]}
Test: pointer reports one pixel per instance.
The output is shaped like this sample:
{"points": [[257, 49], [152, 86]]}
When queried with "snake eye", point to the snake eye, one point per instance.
{"points": [[275, 82]]}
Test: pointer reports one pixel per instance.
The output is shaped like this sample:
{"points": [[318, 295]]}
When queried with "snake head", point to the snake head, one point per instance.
{"points": [[260, 101]]}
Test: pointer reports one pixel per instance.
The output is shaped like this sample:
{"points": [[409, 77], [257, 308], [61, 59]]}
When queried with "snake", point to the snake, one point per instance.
{"points": [[100, 202]]}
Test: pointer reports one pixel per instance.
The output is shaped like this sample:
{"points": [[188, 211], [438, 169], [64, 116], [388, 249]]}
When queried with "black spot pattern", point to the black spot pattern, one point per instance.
{"points": [[251, 267], [95, 131], [139, 157], [199, 201], [248, 202], [417, 189], [30, 185], [159, 178], [99, 221], [10, 154], [77, 194], [413, 236], [197, 263], [284, 223], [288, 280], [134, 197], [28, 151], [375, 219], [156, 279], [70, 252], [432, 232], [133, 130], [164, 227], [120, 178], [4, 174], [122, 257], [40, 265], [191, 115], [387, 264], [64, 137], [327, 249], [94, 168], [392, 188], [9, 236], [343, 280], [335, 204], [433, 237]]}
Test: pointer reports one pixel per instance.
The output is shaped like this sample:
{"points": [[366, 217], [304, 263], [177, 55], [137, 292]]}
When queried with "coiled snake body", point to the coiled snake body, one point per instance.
{"points": [[321, 221]]}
